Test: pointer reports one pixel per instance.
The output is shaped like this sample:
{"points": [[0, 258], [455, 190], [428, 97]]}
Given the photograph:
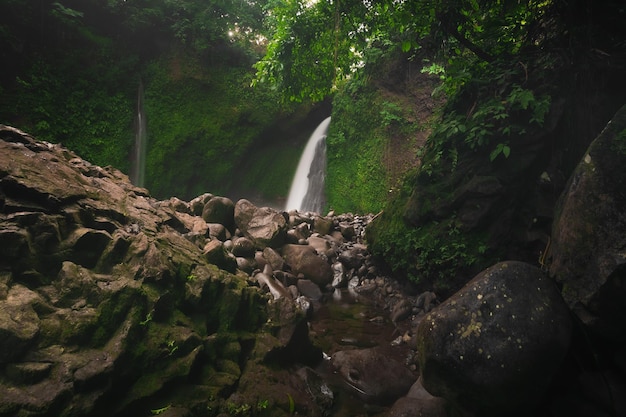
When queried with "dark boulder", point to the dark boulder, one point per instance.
{"points": [[496, 344], [263, 225], [589, 234], [219, 210], [303, 259]]}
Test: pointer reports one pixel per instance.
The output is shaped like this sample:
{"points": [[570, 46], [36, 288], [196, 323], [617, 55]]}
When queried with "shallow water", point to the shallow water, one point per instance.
{"points": [[352, 322]]}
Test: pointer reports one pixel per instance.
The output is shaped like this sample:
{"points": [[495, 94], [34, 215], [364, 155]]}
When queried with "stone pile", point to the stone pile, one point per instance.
{"points": [[114, 303]]}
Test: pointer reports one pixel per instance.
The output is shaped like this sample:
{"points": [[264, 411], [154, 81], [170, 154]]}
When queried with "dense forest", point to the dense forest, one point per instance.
{"points": [[72, 72], [431, 101]]}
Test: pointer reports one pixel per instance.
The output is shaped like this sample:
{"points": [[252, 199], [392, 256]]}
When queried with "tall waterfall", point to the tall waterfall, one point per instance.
{"points": [[307, 188], [138, 165]]}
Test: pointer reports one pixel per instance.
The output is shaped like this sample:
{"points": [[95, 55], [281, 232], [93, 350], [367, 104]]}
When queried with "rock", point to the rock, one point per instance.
{"points": [[28, 373], [247, 265], [104, 292], [179, 205], [401, 310], [196, 206], [373, 375], [19, 323], [309, 289], [264, 226], [339, 276], [321, 245], [194, 224], [418, 402], [215, 253], [319, 389], [322, 225], [86, 246], [589, 234], [354, 256], [426, 301], [288, 339], [219, 210], [275, 287], [273, 259], [244, 247], [218, 231], [347, 230], [476, 199], [304, 260], [496, 344]]}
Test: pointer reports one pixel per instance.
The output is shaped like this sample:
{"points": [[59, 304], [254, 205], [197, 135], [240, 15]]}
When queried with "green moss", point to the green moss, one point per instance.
{"points": [[368, 126], [89, 108], [200, 121], [356, 180], [113, 311], [435, 252], [619, 144]]}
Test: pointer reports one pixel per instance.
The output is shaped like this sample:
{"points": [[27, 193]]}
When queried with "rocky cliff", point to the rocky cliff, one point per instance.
{"points": [[108, 303]]}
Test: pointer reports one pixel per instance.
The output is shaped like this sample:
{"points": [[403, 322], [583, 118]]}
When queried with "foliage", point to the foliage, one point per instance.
{"points": [[87, 107], [356, 178], [315, 46], [433, 253], [499, 111], [200, 123], [199, 25], [204, 110]]}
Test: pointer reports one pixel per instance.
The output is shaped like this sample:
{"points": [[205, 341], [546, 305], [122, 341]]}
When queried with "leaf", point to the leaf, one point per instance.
{"points": [[292, 404], [158, 411], [501, 148]]}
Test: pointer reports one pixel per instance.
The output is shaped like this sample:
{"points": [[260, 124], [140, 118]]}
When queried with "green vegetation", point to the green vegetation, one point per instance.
{"points": [[73, 78], [200, 123], [433, 252], [505, 70], [355, 150]]}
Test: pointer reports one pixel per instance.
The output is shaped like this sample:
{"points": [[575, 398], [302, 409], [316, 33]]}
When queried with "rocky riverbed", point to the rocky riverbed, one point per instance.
{"points": [[113, 303]]}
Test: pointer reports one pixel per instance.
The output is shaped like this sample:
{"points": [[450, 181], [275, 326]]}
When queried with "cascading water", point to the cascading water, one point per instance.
{"points": [[307, 188], [138, 165]]}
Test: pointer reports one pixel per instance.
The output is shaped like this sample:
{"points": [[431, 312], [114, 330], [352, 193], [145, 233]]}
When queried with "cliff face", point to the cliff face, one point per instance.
{"points": [[103, 301]]}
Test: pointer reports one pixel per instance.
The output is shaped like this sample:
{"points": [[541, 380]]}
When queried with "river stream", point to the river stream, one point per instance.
{"points": [[349, 321]]}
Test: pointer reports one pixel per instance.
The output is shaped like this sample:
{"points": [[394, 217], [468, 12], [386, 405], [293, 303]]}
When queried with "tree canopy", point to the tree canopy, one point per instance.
{"points": [[316, 45]]}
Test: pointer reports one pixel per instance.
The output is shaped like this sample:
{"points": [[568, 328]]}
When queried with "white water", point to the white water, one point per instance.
{"points": [[301, 181], [138, 165]]}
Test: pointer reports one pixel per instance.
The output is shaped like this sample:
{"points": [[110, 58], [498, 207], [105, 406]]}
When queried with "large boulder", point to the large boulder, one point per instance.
{"points": [[219, 210], [303, 259], [265, 226], [589, 235], [105, 303], [495, 345]]}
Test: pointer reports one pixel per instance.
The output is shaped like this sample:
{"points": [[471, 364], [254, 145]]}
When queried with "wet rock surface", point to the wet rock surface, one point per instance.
{"points": [[497, 343]]}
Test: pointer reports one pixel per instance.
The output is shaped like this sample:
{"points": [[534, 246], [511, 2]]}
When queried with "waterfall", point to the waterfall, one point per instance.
{"points": [[138, 165], [307, 188]]}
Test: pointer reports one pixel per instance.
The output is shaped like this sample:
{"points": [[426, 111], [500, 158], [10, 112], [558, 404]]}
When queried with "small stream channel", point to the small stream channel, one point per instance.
{"points": [[350, 321]]}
